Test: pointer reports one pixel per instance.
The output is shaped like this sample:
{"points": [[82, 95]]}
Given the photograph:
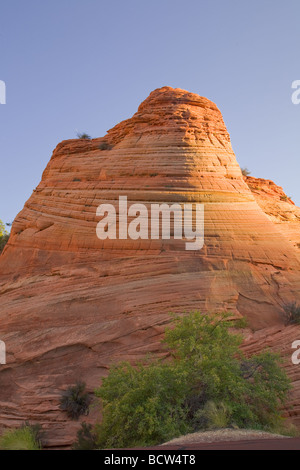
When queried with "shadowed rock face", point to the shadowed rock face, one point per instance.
{"points": [[71, 303]]}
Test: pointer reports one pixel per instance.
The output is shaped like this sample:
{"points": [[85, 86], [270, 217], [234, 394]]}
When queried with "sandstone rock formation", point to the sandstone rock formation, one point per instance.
{"points": [[72, 304], [278, 207]]}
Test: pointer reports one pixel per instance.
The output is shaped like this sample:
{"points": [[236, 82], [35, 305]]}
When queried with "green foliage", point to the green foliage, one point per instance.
{"points": [[142, 405], [24, 438], [292, 314], [86, 438], [75, 401], [251, 389], [83, 135], [206, 383], [212, 416], [245, 172], [4, 236]]}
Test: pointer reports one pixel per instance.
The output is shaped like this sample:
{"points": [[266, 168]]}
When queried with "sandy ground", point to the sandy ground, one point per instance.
{"points": [[222, 435]]}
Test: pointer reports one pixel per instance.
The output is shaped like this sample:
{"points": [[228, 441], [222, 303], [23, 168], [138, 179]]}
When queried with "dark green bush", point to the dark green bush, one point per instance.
{"points": [[105, 146], [86, 438], [292, 313], [83, 135], [205, 383], [75, 401]]}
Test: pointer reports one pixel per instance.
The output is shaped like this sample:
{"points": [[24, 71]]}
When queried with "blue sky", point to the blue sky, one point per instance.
{"points": [[87, 64]]}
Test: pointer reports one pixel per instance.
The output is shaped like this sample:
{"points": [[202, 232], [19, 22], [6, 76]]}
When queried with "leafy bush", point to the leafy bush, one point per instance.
{"points": [[251, 389], [83, 135], [205, 383], [86, 438], [24, 438], [245, 172], [292, 314], [75, 401], [142, 405]]}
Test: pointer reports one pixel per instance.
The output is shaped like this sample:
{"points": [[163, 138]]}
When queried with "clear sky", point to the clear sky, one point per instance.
{"points": [[87, 64]]}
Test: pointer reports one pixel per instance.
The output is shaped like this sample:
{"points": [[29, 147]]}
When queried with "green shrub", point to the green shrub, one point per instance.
{"points": [[23, 438], [253, 390], [86, 438], [142, 405], [205, 383], [292, 313], [75, 401], [83, 135]]}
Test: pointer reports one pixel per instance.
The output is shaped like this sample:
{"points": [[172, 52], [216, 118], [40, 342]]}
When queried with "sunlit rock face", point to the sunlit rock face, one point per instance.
{"points": [[71, 304]]}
